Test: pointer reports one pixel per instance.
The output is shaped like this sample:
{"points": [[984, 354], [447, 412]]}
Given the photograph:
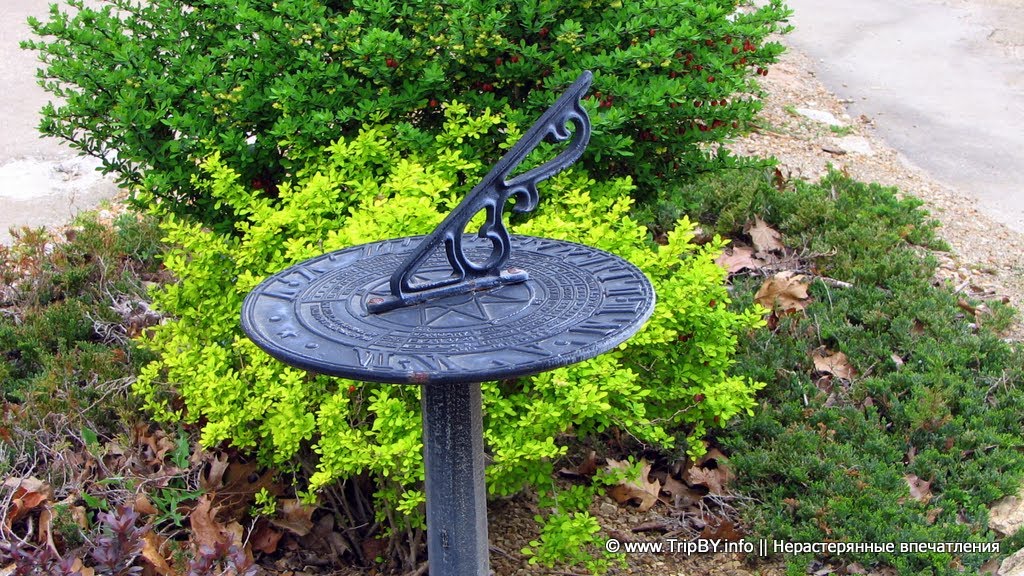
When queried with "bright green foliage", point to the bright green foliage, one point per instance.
{"points": [[374, 186], [151, 86]]}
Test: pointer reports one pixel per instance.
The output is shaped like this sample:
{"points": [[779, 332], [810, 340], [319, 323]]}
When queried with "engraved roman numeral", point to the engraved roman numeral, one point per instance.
{"points": [[380, 359]]}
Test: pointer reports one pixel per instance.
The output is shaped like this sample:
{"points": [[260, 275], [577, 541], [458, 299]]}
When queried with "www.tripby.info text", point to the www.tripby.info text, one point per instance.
{"points": [[766, 547]]}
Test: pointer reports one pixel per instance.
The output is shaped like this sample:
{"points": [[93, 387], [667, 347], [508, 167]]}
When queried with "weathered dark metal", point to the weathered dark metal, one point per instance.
{"points": [[449, 319], [490, 196], [578, 303]]}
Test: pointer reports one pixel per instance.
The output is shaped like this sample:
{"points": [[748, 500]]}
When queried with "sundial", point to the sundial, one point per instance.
{"points": [[455, 308]]}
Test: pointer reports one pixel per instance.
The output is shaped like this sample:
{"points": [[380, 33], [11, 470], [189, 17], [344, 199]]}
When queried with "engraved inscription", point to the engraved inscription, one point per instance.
{"points": [[577, 303]]}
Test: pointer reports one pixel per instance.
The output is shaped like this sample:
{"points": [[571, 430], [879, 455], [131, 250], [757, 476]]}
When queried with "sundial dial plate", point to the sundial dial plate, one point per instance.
{"points": [[577, 303]]}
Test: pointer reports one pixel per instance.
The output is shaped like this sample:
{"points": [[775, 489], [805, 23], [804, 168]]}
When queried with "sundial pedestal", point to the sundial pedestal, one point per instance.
{"points": [[457, 310]]}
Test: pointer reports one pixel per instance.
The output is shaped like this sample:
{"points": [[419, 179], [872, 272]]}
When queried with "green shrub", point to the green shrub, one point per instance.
{"points": [[151, 86], [673, 375]]}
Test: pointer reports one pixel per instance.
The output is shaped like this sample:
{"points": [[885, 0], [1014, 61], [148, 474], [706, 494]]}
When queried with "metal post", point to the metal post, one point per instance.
{"points": [[456, 495]]}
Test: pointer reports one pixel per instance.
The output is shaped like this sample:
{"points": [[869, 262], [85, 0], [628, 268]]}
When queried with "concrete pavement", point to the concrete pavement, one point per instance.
{"points": [[942, 79], [42, 182]]}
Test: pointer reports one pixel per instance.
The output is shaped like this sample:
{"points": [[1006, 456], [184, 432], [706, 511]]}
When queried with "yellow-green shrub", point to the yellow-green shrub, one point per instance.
{"points": [[388, 181]]}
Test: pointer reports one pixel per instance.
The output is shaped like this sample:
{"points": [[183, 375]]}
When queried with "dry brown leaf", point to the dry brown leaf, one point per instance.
{"points": [[784, 292], [640, 489], [143, 505], [155, 442], [932, 515], [855, 568], [294, 516], [151, 544], [586, 468], [29, 494], [214, 477], [834, 363], [265, 538], [764, 237], [920, 490], [738, 258], [724, 530], [708, 477], [679, 495], [207, 530]]}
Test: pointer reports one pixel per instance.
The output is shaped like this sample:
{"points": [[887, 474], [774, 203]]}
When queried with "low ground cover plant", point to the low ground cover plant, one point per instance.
{"points": [[152, 87], [366, 437], [914, 431]]}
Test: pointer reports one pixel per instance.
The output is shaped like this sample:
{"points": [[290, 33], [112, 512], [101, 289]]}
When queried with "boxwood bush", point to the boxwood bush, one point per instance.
{"points": [[673, 378], [150, 87]]}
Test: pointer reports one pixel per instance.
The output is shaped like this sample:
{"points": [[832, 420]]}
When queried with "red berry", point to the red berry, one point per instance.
{"points": [[698, 67], [743, 60], [257, 183], [652, 32], [723, 102], [433, 103], [696, 103], [498, 61], [689, 56], [712, 304], [735, 49], [714, 102], [764, 72], [514, 59], [728, 39], [391, 63], [672, 74], [711, 78], [351, 388], [709, 42], [698, 398], [544, 32], [672, 105], [488, 88]]}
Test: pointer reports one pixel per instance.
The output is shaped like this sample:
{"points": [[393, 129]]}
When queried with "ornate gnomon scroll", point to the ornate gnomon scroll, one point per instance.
{"points": [[491, 195]]}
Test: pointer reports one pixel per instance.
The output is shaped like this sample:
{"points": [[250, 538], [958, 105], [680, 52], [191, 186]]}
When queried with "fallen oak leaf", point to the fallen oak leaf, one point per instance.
{"points": [[265, 538], [207, 530], [707, 477], [786, 292], [151, 544], [764, 237], [920, 490], [640, 489], [29, 494], [834, 363], [584, 469], [679, 494], [724, 530], [737, 259], [294, 516]]}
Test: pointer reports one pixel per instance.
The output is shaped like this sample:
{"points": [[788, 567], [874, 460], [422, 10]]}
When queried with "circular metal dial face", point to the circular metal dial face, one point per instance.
{"points": [[577, 303]]}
